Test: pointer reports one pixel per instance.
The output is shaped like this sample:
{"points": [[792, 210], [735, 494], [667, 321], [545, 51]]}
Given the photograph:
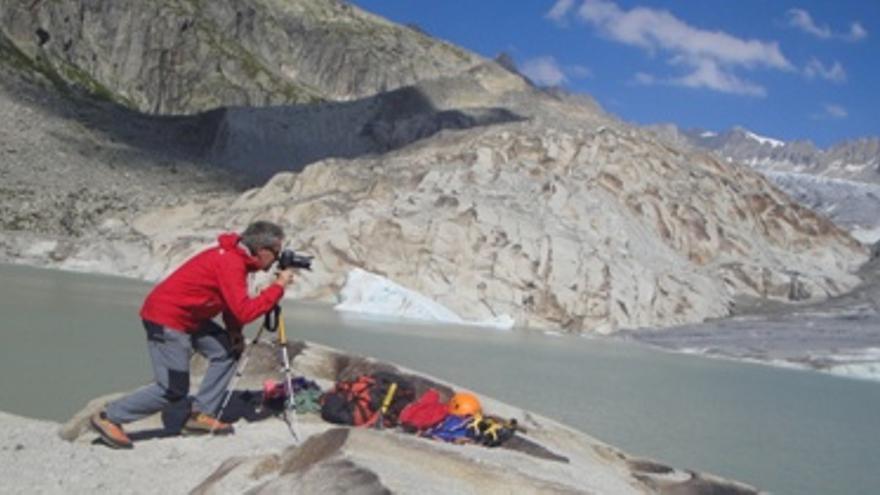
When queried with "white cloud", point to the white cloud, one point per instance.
{"points": [[856, 32], [544, 71], [644, 79], [835, 111], [801, 19], [559, 11], [708, 57], [830, 111], [656, 30], [834, 73], [578, 71], [708, 74]]}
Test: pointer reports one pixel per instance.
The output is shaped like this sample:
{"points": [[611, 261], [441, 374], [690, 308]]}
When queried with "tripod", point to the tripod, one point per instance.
{"points": [[290, 404], [272, 322]]}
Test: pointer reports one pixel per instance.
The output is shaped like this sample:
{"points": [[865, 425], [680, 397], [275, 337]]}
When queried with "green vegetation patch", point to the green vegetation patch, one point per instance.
{"points": [[12, 57], [64, 77]]}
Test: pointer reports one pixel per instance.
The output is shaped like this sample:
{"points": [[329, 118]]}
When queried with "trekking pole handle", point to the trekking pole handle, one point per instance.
{"points": [[282, 334], [386, 403]]}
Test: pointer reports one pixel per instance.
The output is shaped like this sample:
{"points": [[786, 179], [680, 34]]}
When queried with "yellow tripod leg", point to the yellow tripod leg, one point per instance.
{"points": [[288, 387]]}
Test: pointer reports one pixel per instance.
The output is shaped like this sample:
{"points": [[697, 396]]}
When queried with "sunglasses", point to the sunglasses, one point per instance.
{"points": [[276, 251]]}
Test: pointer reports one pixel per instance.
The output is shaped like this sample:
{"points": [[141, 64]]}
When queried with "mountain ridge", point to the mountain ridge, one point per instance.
{"points": [[172, 57], [855, 159]]}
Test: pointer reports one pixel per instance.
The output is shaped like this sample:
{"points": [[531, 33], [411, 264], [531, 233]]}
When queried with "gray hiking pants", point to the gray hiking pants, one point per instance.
{"points": [[170, 353]]}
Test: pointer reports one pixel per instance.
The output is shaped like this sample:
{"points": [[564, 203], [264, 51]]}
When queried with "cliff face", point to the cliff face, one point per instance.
{"points": [[584, 230], [172, 56]]}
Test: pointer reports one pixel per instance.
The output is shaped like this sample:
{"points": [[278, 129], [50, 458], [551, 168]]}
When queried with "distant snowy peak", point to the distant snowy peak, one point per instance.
{"points": [[761, 139], [855, 160], [739, 135]]}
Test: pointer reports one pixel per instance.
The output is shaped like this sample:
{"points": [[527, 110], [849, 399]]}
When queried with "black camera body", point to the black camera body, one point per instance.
{"points": [[289, 259]]}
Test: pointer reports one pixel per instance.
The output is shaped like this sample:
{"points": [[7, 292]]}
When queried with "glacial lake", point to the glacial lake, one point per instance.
{"points": [[70, 337]]}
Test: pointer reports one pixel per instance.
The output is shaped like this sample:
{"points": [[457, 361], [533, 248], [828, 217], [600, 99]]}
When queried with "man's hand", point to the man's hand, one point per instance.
{"points": [[236, 341], [284, 277]]}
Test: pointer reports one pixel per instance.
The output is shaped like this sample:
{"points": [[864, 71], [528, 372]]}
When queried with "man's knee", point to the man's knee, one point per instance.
{"points": [[213, 343], [223, 357], [178, 385]]}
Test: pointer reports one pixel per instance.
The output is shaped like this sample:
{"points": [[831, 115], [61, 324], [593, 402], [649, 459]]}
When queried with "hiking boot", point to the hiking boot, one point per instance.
{"points": [[200, 422], [111, 433]]}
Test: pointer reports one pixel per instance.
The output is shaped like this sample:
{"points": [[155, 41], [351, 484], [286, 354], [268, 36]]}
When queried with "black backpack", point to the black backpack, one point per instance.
{"points": [[403, 394]]}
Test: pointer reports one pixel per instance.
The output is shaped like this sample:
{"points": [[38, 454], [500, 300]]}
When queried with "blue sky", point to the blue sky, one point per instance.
{"points": [[789, 70]]}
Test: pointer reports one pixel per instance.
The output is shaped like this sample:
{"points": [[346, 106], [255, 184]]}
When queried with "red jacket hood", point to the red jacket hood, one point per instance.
{"points": [[230, 241]]}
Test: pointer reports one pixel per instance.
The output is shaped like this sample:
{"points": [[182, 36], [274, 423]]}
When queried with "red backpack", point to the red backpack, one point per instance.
{"points": [[424, 413]]}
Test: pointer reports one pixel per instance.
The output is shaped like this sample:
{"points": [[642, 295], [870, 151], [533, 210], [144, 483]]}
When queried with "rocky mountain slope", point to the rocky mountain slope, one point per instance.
{"points": [[179, 56], [853, 205], [71, 167], [473, 188], [842, 182]]}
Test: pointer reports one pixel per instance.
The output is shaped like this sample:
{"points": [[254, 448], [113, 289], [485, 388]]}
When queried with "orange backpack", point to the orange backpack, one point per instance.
{"points": [[358, 402]]}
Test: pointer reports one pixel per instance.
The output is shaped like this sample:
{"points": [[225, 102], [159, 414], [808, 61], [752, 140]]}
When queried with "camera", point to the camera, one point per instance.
{"points": [[289, 259]]}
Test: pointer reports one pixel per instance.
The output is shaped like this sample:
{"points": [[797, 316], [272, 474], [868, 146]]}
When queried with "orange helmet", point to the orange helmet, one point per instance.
{"points": [[464, 404]]}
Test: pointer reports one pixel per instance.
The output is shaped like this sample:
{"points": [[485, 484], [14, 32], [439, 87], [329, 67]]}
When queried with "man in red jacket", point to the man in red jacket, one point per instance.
{"points": [[177, 316]]}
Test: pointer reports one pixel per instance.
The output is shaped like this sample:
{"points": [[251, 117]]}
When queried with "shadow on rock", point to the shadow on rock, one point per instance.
{"points": [[255, 143], [259, 142]]}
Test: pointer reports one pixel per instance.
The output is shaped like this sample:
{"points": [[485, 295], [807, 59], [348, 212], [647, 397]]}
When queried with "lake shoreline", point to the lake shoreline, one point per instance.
{"points": [[858, 364], [626, 394], [840, 337]]}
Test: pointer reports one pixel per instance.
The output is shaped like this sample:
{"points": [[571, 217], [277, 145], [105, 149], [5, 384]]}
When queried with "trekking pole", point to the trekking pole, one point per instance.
{"points": [[238, 373], [386, 403], [288, 386]]}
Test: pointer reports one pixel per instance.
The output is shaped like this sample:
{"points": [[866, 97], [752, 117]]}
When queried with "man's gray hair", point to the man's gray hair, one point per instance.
{"points": [[261, 234]]}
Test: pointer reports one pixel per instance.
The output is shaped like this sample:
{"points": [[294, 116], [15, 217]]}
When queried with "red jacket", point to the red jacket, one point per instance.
{"points": [[212, 281]]}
